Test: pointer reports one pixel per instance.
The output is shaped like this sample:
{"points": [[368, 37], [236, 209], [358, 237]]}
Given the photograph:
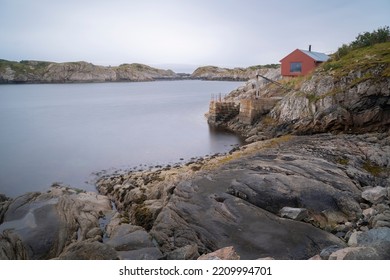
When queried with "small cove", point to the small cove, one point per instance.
{"points": [[66, 132]]}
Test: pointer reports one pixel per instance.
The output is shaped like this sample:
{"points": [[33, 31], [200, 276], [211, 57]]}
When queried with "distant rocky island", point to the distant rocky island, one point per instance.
{"points": [[30, 71], [312, 182]]}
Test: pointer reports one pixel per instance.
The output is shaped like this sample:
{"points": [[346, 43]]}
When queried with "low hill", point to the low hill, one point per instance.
{"points": [[28, 71], [235, 74]]}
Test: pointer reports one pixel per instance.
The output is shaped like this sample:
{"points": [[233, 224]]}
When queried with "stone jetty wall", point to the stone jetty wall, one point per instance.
{"points": [[220, 111], [247, 110], [251, 109]]}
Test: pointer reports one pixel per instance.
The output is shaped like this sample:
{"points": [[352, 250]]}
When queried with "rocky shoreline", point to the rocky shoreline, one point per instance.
{"points": [[314, 183], [323, 196]]}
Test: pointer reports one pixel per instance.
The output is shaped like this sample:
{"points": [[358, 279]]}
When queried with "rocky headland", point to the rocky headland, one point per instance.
{"points": [[347, 95], [29, 71], [312, 183]]}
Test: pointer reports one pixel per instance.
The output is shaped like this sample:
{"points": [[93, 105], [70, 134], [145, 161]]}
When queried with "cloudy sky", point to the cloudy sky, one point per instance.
{"points": [[181, 34]]}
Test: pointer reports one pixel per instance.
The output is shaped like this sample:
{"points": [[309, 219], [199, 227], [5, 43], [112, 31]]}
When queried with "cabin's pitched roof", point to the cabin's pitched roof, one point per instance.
{"points": [[317, 56]]}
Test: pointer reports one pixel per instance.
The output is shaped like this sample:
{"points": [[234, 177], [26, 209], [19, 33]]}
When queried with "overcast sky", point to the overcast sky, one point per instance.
{"points": [[181, 34]]}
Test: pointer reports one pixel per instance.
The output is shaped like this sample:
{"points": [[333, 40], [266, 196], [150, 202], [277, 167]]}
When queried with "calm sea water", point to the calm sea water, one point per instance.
{"points": [[65, 132]]}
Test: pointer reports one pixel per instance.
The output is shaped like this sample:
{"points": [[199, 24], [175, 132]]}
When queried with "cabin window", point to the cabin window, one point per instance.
{"points": [[296, 67]]}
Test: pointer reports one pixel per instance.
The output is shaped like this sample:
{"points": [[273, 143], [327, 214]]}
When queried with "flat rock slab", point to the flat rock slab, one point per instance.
{"points": [[202, 212]]}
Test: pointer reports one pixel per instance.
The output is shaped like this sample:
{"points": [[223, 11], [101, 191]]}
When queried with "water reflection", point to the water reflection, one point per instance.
{"points": [[221, 138]]}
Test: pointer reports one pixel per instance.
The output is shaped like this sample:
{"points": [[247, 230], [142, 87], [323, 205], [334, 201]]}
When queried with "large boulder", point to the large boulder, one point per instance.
{"points": [[131, 242], [375, 195], [43, 224], [355, 253], [378, 236], [273, 181], [372, 244]]}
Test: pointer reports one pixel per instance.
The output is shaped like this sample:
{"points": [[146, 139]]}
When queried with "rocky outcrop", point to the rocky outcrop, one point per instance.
{"points": [[349, 95], [76, 72], [248, 90], [235, 74], [236, 200], [67, 224], [141, 72], [358, 103], [41, 225]]}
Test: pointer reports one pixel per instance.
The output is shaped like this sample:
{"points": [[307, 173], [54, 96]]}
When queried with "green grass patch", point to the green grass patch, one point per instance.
{"points": [[141, 199], [25, 66], [366, 77], [269, 66], [143, 217], [362, 59], [342, 161], [373, 169], [313, 98], [135, 66]]}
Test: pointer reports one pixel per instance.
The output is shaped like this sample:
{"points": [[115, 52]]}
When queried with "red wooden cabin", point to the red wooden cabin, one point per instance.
{"points": [[301, 62]]}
